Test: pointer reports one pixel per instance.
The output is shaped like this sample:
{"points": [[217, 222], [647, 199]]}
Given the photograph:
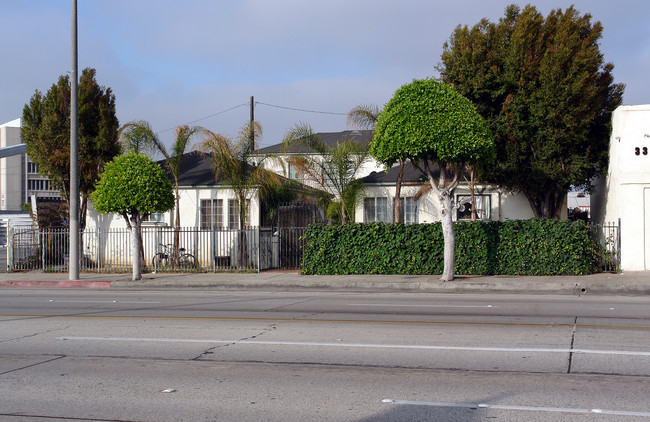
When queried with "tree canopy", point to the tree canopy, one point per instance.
{"points": [[547, 94], [45, 129], [432, 125], [429, 120], [133, 186]]}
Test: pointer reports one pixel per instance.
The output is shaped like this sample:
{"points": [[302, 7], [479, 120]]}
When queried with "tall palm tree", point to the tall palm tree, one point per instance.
{"points": [[333, 168], [365, 116], [232, 164], [137, 136], [174, 160]]}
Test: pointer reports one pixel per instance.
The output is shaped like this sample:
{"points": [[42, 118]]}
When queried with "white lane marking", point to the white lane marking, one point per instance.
{"points": [[525, 408], [101, 301], [420, 306], [361, 345]]}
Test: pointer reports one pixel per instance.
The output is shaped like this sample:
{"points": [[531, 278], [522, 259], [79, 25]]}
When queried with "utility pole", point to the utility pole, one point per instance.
{"points": [[73, 253], [252, 131]]}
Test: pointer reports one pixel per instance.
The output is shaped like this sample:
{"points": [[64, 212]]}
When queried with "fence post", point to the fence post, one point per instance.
{"points": [[259, 248], [10, 248], [618, 247], [41, 241]]}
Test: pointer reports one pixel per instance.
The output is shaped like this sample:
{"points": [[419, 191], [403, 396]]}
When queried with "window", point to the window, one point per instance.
{"points": [[464, 207], [211, 213], [233, 213], [408, 210], [375, 210]]}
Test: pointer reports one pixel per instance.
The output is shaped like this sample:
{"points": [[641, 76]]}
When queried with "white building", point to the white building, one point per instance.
{"points": [[624, 192], [282, 162], [19, 177], [492, 202]]}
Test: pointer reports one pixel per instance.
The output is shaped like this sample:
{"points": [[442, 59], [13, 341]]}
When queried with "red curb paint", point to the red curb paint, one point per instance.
{"points": [[61, 284]]}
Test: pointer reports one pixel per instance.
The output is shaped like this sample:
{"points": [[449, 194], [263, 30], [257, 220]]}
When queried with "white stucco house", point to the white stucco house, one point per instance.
{"points": [[282, 162], [492, 202], [205, 202], [623, 194], [209, 221]]}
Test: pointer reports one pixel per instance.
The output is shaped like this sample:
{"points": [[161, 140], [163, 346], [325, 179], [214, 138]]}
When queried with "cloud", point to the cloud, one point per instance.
{"points": [[171, 63]]}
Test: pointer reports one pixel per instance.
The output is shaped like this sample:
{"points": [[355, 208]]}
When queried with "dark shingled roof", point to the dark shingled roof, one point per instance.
{"points": [[196, 170], [411, 175], [363, 137]]}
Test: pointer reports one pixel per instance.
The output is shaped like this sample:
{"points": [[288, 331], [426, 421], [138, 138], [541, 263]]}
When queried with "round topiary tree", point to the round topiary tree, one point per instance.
{"points": [[133, 186], [437, 129]]}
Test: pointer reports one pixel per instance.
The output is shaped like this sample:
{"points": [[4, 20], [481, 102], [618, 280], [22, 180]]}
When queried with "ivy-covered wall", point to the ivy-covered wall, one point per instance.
{"points": [[514, 247]]}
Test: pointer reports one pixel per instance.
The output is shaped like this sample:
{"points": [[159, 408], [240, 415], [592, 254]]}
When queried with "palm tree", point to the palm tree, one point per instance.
{"points": [[365, 116], [137, 136], [232, 164], [332, 168], [182, 136]]}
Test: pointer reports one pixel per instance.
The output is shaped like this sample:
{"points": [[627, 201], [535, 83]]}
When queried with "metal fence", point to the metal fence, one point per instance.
{"points": [[608, 236], [249, 249]]}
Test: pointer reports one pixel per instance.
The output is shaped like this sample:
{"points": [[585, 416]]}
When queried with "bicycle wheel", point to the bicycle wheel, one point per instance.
{"points": [[187, 262], [159, 261]]}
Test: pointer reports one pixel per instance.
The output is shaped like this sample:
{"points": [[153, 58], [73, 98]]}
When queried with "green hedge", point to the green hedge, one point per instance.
{"points": [[514, 247]]}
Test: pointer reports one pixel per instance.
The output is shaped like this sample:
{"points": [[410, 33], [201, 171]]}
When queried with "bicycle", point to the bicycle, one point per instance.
{"points": [[165, 259]]}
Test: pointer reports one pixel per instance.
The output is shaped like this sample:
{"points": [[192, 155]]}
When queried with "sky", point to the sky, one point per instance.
{"points": [[198, 62]]}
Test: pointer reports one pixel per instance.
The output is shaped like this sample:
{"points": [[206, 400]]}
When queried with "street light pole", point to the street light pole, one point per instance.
{"points": [[73, 260]]}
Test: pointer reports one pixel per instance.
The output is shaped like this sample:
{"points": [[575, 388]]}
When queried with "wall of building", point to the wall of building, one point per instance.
{"points": [[624, 192], [503, 205], [281, 166], [190, 210], [12, 169]]}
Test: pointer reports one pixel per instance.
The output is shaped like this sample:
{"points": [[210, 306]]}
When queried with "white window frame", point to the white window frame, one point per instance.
{"points": [[233, 213], [211, 213], [372, 210], [464, 207], [408, 210]]}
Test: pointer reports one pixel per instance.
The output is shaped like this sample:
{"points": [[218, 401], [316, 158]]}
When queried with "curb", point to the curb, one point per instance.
{"points": [[58, 284]]}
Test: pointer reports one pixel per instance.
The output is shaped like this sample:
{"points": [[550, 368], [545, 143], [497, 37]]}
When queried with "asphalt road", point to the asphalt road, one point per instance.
{"points": [[111, 355]]}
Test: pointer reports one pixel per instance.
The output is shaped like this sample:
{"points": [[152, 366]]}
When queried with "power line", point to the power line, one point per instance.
{"points": [[301, 109], [207, 117], [261, 103]]}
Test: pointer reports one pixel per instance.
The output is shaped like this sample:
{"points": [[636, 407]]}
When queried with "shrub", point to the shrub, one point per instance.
{"points": [[515, 247]]}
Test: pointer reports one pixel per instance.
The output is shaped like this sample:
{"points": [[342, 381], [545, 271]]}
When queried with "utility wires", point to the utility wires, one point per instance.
{"points": [[260, 103]]}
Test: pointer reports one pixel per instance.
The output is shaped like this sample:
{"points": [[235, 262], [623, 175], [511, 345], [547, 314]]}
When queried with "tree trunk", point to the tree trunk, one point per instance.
{"points": [[135, 247], [548, 205], [472, 184], [177, 232], [443, 189], [398, 192], [448, 235]]}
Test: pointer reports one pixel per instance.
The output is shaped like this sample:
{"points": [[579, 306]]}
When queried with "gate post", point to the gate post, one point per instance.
{"points": [[10, 248]]}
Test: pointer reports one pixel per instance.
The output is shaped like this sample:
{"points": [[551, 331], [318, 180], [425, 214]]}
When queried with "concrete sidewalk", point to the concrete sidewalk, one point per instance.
{"points": [[629, 283]]}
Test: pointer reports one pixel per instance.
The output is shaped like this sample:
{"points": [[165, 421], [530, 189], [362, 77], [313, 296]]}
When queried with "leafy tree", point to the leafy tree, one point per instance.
{"points": [[138, 136], [46, 131], [547, 95], [436, 128], [330, 167], [365, 116], [133, 186]]}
